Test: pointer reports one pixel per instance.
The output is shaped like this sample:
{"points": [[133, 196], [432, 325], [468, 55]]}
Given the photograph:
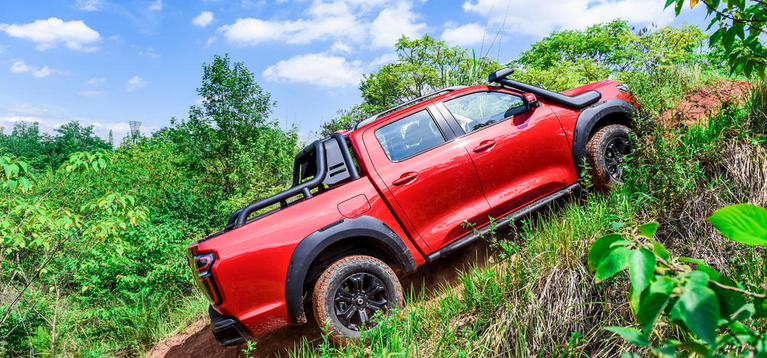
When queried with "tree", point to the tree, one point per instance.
{"points": [[568, 58], [72, 137], [229, 139], [740, 32], [233, 111], [423, 66]]}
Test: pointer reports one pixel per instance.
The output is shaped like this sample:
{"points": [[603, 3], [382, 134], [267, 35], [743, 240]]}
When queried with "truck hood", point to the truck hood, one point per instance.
{"points": [[587, 87]]}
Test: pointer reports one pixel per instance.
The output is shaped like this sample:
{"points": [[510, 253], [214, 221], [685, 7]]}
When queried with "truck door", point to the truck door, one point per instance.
{"points": [[428, 176], [521, 155]]}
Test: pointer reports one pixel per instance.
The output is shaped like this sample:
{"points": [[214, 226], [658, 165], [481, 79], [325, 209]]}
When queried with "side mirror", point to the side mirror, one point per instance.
{"points": [[531, 101]]}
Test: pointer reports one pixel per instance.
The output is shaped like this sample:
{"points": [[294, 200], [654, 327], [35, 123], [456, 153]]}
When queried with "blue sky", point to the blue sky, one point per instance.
{"points": [[107, 62]]}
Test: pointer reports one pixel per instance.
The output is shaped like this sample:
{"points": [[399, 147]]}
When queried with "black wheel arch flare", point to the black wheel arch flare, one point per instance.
{"points": [[591, 117], [311, 247]]}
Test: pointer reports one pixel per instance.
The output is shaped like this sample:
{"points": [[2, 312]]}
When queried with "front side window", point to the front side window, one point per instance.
{"points": [[481, 109], [409, 136]]}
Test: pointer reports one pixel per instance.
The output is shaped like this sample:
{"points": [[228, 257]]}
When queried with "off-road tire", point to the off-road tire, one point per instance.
{"points": [[602, 153], [325, 299]]}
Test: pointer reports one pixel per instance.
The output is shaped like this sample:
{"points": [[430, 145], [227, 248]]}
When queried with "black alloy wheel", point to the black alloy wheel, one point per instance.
{"points": [[358, 298]]}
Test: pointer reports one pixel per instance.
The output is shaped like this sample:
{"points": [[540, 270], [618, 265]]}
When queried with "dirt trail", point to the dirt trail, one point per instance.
{"points": [[699, 103], [197, 340]]}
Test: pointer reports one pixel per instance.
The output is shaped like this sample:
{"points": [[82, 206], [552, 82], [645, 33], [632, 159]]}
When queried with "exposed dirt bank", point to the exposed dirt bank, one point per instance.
{"points": [[699, 103]]}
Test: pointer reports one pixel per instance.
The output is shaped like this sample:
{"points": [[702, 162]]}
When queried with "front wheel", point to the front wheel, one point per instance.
{"points": [[350, 292], [606, 154]]}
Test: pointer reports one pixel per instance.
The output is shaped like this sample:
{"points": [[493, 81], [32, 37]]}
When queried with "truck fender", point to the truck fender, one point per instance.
{"points": [[311, 246], [589, 118]]}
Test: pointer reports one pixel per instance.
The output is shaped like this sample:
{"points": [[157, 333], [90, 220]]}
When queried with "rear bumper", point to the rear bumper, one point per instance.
{"points": [[227, 330]]}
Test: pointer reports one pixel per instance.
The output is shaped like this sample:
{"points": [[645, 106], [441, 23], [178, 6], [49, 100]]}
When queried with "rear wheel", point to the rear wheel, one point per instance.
{"points": [[606, 154], [350, 292]]}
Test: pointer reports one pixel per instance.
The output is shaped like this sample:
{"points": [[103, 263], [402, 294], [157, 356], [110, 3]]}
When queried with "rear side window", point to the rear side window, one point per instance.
{"points": [[409, 136], [481, 109]]}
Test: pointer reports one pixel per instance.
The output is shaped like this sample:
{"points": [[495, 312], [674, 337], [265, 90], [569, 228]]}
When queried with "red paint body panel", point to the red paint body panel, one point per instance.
{"points": [[531, 157]]}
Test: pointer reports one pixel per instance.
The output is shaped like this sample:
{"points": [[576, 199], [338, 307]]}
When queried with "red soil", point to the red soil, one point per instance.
{"points": [[699, 103]]}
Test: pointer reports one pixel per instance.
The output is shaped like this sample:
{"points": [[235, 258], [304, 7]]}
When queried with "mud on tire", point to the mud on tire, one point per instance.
{"points": [[605, 154], [350, 291]]}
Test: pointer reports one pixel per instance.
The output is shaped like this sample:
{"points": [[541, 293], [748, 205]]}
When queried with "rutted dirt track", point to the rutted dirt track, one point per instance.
{"points": [[197, 340]]}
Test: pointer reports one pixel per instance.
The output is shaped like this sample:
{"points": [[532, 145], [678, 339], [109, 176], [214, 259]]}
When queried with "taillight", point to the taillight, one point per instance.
{"points": [[204, 264]]}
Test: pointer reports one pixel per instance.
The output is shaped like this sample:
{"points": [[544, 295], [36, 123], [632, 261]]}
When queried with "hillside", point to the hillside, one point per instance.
{"points": [[439, 285], [92, 261]]}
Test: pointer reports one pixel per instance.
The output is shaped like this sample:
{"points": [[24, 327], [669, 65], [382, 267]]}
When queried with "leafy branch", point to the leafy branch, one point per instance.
{"points": [[710, 311]]}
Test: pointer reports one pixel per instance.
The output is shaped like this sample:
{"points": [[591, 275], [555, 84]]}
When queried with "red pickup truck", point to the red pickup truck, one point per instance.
{"points": [[376, 202]]}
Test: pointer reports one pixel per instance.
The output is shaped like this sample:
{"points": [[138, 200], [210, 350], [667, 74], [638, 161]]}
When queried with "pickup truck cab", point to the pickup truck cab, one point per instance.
{"points": [[376, 202]]}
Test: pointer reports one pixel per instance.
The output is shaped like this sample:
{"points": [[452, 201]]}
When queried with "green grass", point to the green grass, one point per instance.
{"points": [[540, 299]]}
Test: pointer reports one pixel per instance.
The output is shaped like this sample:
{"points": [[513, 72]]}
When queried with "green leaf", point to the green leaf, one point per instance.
{"points": [[716, 36], [691, 260], [660, 250], [621, 243], [641, 268], [679, 4], [615, 261], [738, 27], [694, 347], [648, 230], [699, 310], [600, 248], [631, 335], [743, 223], [760, 308], [654, 302], [729, 38], [668, 3], [667, 350], [730, 302], [630, 355]]}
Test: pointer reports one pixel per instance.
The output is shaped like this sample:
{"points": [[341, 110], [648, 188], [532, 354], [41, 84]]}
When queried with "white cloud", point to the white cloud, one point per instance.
{"points": [[156, 5], [541, 17], [48, 33], [392, 23], [340, 47], [42, 72], [19, 66], [465, 35], [336, 20], [210, 41], [135, 83], [204, 19], [92, 94], [3, 48], [27, 109], [316, 68], [149, 52], [88, 5], [382, 60], [95, 81]]}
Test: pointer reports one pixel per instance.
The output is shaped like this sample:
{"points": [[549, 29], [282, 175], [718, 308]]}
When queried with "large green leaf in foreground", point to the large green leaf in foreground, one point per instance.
{"points": [[744, 223]]}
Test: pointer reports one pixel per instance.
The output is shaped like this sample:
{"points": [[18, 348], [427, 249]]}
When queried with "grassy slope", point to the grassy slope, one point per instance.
{"points": [[540, 300]]}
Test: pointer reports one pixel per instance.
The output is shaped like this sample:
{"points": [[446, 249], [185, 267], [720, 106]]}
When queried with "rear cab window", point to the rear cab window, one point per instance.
{"points": [[409, 136]]}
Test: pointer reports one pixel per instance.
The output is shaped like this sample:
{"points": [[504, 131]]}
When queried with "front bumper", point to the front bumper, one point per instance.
{"points": [[227, 330]]}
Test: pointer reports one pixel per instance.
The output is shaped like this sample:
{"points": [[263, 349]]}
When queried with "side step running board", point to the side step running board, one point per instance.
{"points": [[503, 221]]}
